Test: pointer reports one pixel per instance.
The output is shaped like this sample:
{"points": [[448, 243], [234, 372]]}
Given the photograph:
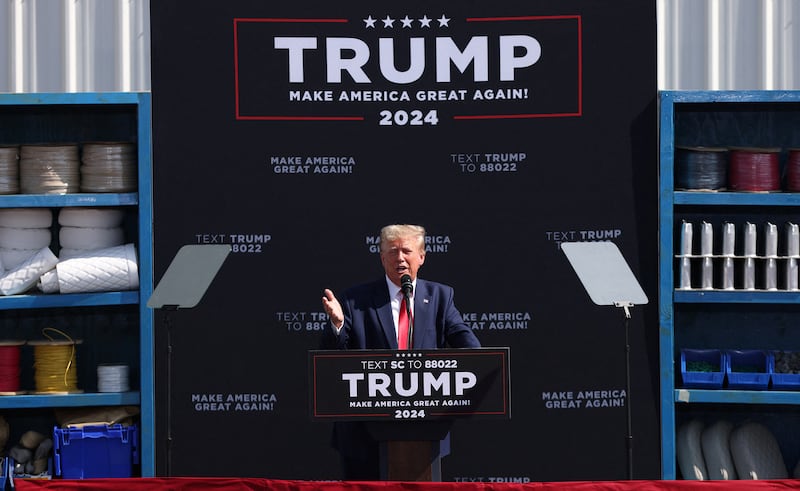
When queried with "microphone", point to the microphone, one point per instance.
{"points": [[406, 285]]}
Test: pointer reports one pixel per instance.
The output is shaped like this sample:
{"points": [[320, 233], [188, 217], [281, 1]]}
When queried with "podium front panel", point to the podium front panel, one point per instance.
{"points": [[391, 385]]}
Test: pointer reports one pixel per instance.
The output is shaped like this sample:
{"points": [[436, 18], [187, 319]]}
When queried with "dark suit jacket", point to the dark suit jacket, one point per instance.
{"points": [[368, 324]]}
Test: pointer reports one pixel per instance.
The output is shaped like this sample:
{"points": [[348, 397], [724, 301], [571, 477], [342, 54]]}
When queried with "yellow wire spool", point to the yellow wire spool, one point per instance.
{"points": [[55, 364]]}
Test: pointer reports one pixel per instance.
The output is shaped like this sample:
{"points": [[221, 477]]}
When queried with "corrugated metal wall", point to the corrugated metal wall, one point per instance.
{"points": [[74, 45], [104, 45], [728, 44]]}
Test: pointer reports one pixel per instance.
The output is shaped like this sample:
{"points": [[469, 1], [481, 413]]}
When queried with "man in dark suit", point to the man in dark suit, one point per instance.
{"points": [[367, 318]]}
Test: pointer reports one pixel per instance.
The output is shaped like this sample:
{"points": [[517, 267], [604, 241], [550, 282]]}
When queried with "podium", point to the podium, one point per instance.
{"points": [[410, 451], [408, 400]]}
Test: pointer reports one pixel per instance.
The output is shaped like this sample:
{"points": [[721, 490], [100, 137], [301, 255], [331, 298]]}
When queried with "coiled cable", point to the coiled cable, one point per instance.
{"points": [[55, 363]]}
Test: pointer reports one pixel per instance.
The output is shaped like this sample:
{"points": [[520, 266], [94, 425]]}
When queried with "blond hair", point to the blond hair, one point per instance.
{"points": [[390, 233]]}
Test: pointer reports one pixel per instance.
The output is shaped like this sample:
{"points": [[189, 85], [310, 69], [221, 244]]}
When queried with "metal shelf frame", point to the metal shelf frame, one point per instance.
{"points": [[669, 296], [139, 105]]}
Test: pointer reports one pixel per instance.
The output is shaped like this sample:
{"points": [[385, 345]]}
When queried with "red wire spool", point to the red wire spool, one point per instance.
{"points": [[754, 169], [9, 366], [793, 170]]}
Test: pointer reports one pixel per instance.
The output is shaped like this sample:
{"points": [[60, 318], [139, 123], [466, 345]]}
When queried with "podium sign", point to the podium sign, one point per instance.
{"points": [[417, 385]]}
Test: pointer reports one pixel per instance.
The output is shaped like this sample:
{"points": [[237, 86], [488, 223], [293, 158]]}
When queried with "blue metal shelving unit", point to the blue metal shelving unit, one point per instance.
{"points": [[670, 299], [138, 105]]}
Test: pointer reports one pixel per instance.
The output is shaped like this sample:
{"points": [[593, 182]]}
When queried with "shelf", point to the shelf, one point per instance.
{"points": [[736, 198], [61, 200], [740, 296], [723, 396], [734, 97], [44, 301], [71, 98], [70, 400]]}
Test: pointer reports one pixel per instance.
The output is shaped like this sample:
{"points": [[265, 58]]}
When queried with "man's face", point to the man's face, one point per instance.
{"points": [[402, 256]]}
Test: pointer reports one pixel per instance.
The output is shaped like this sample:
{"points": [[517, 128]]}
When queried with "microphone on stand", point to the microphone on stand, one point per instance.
{"points": [[407, 286]]}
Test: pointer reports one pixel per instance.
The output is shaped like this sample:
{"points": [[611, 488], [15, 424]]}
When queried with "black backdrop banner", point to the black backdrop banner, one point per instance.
{"points": [[294, 131]]}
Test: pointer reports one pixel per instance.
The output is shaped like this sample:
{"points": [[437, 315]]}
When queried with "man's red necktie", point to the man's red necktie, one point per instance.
{"points": [[402, 326]]}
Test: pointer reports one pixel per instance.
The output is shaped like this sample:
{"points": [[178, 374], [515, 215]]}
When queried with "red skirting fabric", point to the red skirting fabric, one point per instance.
{"points": [[224, 484]]}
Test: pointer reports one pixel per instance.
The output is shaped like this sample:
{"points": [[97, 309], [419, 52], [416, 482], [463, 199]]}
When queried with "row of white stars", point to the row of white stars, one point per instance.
{"points": [[407, 22]]}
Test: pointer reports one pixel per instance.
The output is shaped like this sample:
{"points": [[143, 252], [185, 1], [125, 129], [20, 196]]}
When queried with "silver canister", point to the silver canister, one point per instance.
{"points": [[686, 274], [749, 264], [750, 239], [728, 241], [770, 240], [685, 268], [686, 239], [792, 253], [791, 274], [771, 254], [707, 251]]}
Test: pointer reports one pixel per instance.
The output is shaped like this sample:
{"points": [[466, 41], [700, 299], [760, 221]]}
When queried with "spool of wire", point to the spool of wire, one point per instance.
{"points": [[108, 167], [49, 169], [9, 366], [112, 378], [793, 170], [55, 364], [701, 168], [754, 169], [9, 169]]}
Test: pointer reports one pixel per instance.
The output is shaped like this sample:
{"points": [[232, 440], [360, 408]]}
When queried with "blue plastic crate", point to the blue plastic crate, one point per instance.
{"points": [[10, 475], [703, 380], [756, 365], [95, 451], [784, 381]]}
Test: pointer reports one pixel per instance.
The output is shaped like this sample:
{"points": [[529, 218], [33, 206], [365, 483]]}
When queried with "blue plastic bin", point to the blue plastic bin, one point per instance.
{"points": [[736, 360], [8, 468], [703, 380], [784, 381], [95, 451]]}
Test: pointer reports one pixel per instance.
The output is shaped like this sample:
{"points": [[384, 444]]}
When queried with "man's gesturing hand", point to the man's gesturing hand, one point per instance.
{"points": [[332, 308]]}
